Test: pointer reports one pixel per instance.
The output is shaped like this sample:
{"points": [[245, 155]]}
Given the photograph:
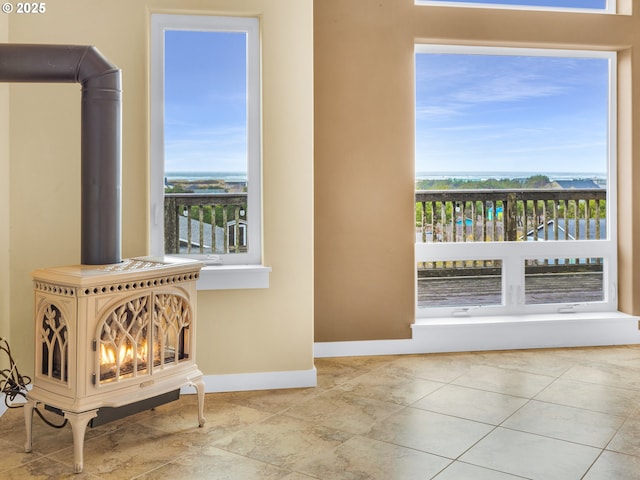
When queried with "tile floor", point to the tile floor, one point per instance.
{"points": [[538, 414]]}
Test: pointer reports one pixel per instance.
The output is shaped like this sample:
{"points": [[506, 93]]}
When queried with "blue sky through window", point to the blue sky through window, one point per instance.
{"points": [[591, 4], [205, 85], [504, 113]]}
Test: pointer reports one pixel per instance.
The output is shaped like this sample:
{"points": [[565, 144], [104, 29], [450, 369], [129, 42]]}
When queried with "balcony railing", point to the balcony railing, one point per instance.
{"points": [[510, 215], [441, 216], [213, 223]]}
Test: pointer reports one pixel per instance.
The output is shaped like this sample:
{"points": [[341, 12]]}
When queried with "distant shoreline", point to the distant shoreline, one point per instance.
{"points": [[188, 176], [509, 175], [191, 176]]}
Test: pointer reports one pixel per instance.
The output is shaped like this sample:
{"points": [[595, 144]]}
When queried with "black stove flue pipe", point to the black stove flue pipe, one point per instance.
{"points": [[101, 149]]}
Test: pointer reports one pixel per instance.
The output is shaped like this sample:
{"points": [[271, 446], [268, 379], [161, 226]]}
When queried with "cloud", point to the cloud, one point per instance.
{"points": [[506, 88]]}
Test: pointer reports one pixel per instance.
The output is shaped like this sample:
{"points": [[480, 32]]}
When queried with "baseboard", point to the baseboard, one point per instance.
{"points": [[245, 381], [257, 381], [498, 333], [449, 335]]}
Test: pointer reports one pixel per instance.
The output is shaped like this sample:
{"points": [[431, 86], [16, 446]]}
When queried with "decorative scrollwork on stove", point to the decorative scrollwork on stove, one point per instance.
{"points": [[124, 341], [54, 344], [172, 317]]}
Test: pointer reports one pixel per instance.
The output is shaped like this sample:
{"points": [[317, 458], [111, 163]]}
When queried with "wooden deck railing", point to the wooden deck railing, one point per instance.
{"points": [[205, 223], [510, 215]]}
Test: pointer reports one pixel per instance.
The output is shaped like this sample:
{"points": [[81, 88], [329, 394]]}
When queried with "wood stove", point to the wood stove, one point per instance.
{"points": [[113, 339], [111, 336]]}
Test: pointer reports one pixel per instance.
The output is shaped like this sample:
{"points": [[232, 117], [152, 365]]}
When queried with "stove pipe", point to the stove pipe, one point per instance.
{"points": [[101, 117]]}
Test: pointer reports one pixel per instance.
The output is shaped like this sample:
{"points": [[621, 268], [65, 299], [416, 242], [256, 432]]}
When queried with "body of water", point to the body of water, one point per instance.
{"points": [[195, 176], [510, 175], [242, 176]]}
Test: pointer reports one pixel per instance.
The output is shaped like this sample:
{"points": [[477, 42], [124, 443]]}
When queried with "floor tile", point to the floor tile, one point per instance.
{"points": [[126, 452], [283, 441], [366, 363], [390, 388], [464, 471], [621, 355], [627, 440], [614, 466], [605, 374], [332, 373], [214, 464], [531, 456], [471, 403], [45, 469], [362, 458], [430, 432], [600, 398], [343, 411], [439, 368], [542, 362], [298, 476], [272, 401], [14, 455], [506, 381], [222, 418], [565, 423]]}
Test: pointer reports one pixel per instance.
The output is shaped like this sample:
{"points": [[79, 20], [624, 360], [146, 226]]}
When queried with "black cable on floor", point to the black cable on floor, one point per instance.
{"points": [[14, 384]]}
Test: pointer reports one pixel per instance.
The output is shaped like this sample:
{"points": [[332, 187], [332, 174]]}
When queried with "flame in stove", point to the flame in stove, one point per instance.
{"points": [[107, 355], [112, 357]]}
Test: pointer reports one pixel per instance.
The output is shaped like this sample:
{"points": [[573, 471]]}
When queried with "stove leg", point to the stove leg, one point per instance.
{"points": [[79, 422], [28, 421], [199, 384]]}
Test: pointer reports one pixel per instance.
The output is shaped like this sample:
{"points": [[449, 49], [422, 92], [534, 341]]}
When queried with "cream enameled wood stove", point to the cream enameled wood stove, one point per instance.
{"points": [[113, 339]]}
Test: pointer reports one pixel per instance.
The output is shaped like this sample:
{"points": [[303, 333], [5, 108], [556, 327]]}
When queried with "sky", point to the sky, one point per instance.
{"points": [[599, 4], [473, 113], [205, 101], [504, 113]]}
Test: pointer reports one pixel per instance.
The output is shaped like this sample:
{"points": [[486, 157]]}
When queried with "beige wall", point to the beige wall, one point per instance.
{"points": [[364, 140], [364, 171], [4, 197], [238, 331]]}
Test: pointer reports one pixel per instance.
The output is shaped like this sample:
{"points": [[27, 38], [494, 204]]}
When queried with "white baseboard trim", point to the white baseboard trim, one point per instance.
{"points": [[257, 381], [448, 335], [498, 333]]}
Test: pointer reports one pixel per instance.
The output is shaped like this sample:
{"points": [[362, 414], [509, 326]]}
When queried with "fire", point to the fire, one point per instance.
{"points": [[124, 357]]}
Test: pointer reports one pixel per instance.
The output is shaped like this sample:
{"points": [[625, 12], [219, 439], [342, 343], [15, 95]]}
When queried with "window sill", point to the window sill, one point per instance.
{"points": [[232, 277]]}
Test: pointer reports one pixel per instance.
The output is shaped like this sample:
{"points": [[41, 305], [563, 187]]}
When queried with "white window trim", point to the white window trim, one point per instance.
{"points": [[513, 254], [610, 8], [218, 268]]}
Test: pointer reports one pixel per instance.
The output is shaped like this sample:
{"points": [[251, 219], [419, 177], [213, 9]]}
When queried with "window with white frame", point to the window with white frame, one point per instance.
{"points": [[595, 6], [515, 180], [205, 138]]}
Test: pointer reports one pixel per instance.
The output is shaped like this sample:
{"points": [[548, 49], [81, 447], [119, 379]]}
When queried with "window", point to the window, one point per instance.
{"points": [[515, 180], [602, 6], [205, 138]]}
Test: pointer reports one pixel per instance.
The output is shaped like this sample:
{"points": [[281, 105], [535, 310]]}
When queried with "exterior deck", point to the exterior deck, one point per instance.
{"points": [[466, 291]]}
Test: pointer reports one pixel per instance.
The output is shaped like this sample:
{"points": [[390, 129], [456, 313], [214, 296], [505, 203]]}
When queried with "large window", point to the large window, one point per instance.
{"points": [[515, 180], [601, 6], [205, 138]]}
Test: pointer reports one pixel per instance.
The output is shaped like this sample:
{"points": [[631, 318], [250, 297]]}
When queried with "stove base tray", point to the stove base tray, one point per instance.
{"points": [[110, 414]]}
